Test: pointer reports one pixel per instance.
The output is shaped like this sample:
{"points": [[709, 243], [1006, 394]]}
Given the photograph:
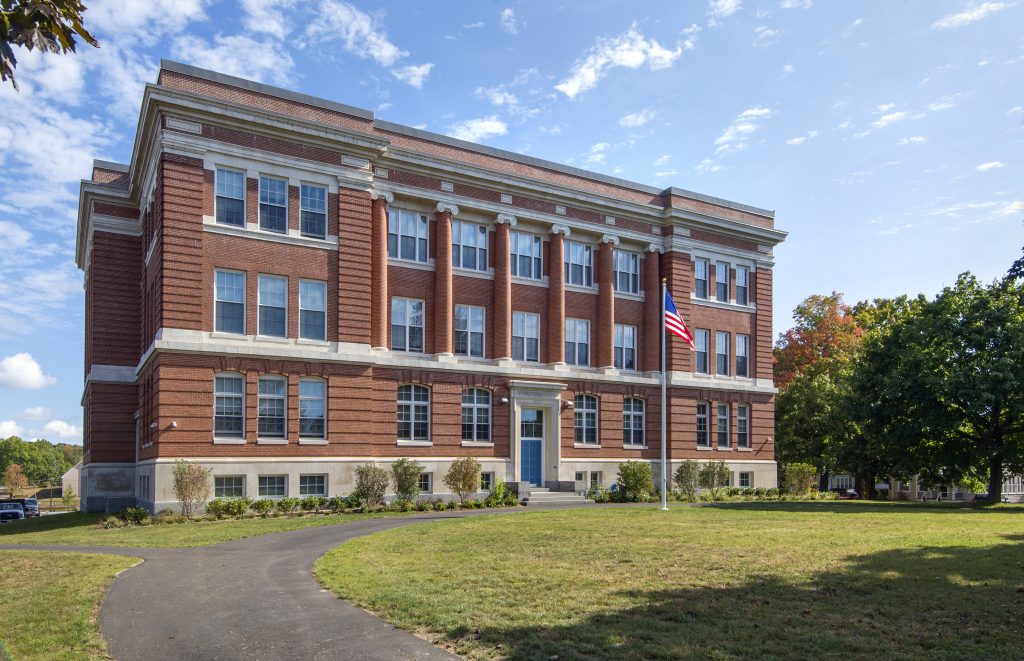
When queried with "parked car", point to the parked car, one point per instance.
{"points": [[11, 511], [31, 506], [847, 494]]}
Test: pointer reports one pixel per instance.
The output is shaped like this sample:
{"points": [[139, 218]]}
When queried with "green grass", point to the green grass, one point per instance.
{"points": [[799, 580], [49, 603], [81, 529]]}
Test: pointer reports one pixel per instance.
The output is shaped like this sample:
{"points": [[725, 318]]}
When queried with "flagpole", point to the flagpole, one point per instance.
{"points": [[664, 401]]}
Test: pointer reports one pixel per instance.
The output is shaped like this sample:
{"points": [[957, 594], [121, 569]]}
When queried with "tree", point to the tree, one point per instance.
{"points": [[49, 25], [371, 484], [191, 486], [68, 497], [687, 479], [714, 475], [634, 481], [406, 474], [824, 327], [14, 479], [798, 479], [463, 477]]}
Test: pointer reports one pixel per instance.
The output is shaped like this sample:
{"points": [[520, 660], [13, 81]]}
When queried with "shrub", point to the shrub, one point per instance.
{"points": [[501, 495], [687, 480], [287, 505], [713, 476], [113, 522], [215, 508], [759, 492], [423, 506], [236, 507], [262, 506], [68, 497], [463, 477], [406, 475], [337, 504], [133, 516], [634, 482], [798, 479], [313, 503], [371, 484], [191, 486], [773, 492]]}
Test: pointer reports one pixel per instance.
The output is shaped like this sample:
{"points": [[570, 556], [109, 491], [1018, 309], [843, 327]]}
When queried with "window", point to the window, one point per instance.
{"points": [[406, 324], [633, 421], [625, 347], [274, 205], [426, 482], [312, 485], [469, 330], [702, 350], [312, 310], [273, 486], [272, 407], [143, 488], [525, 252], [579, 264], [585, 419], [313, 211], [700, 270], [228, 406], [722, 425], [596, 479], [476, 415], [742, 285], [577, 341], [742, 355], [230, 202], [273, 306], [526, 336], [742, 426], [413, 413], [627, 272], [469, 246], [702, 425], [722, 282], [486, 481], [312, 418], [407, 235], [229, 487], [581, 476], [229, 302], [721, 353], [746, 480]]}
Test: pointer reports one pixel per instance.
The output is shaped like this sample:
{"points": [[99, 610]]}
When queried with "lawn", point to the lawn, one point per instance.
{"points": [[79, 528], [800, 580], [48, 603]]}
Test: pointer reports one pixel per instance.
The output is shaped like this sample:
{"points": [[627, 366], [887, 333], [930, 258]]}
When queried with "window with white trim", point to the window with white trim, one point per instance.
{"points": [[526, 337], [406, 324], [476, 415], [585, 419], [230, 198], [274, 205], [313, 211], [486, 481], [312, 408], [722, 426], [746, 479], [413, 413], [273, 306], [700, 277], [579, 264], [407, 235], [625, 347], [743, 426], [633, 421], [230, 486], [272, 407], [742, 355], [273, 486], [426, 482], [312, 485], [469, 246], [596, 479], [702, 425], [722, 282], [469, 331], [742, 285], [229, 304], [721, 353], [312, 310], [701, 341], [525, 252], [577, 342], [627, 272], [228, 406]]}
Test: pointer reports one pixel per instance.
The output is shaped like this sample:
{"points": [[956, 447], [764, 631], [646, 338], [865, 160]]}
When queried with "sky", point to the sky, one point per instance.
{"points": [[886, 136]]}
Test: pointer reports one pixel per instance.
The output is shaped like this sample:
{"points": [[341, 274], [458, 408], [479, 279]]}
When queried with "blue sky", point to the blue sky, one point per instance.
{"points": [[887, 136]]}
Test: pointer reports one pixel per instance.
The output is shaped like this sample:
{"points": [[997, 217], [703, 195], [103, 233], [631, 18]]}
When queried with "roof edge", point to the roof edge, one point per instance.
{"points": [[109, 165]]}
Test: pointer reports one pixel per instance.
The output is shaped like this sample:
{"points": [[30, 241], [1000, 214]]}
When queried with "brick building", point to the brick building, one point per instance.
{"points": [[282, 288]]}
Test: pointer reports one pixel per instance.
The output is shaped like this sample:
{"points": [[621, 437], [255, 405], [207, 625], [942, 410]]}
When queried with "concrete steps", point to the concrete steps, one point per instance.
{"points": [[544, 496]]}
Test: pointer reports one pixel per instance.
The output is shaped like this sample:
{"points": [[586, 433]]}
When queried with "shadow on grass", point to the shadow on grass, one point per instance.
{"points": [[50, 522], [866, 506], [935, 602]]}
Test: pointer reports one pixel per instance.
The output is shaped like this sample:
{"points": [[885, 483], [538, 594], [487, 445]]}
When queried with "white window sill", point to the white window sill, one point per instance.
{"points": [[415, 354], [744, 449], [272, 441], [253, 231], [228, 441], [724, 449], [411, 264], [582, 289], [536, 282], [634, 447], [312, 441], [473, 273], [272, 338], [415, 444], [630, 296], [224, 335], [316, 343], [477, 444], [703, 448], [710, 302], [587, 446]]}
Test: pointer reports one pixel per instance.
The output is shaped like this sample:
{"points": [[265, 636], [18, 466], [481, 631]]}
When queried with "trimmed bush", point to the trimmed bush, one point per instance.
{"points": [[371, 484], [313, 503], [287, 505], [133, 516], [713, 476], [406, 475], [262, 506], [687, 480], [463, 477], [215, 508], [799, 479], [337, 504], [599, 493], [634, 482], [113, 522], [236, 507]]}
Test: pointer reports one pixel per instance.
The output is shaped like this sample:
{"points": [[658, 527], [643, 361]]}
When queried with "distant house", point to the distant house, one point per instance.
{"points": [[1013, 490], [70, 479]]}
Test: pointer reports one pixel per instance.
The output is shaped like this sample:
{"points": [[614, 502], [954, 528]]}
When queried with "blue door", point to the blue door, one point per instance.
{"points": [[531, 434]]}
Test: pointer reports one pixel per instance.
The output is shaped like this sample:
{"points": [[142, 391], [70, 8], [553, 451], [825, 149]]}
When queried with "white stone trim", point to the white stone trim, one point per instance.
{"points": [[711, 303], [253, 231], [376, 194], [411, 264], [506, 218], [564, 230], [446, 206], [610, 238]]}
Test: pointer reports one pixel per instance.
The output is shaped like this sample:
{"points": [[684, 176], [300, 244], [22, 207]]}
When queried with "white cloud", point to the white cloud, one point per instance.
{"points": [[708, 165], [913, 140], [36, 413], [1016, 110], [890, 118], [719, 9], [945, 103], [414, 74], [662, 160], [635, 119], [796, 4], [1012, 208], [991, 165], [359, 32], [498, 96], [848, 32], [9, 428], [145, 21], [975, 13], [34, 298], [788, 68], [764, 35], [666, 173], [62, 431], [475, 130], [799, 140], [22, 372], [237, 55], [597, 154], [474, 26], [886, 107], [503, 97], [267, 17], [735, 136], [630, 50], [508, 21]]}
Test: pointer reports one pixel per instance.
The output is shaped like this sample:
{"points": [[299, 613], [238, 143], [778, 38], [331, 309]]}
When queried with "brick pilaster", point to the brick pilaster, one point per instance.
{"points": [[556, 296], [651, 351], [381, 304], [444, 308], [678, 270], [604, 353], [502, 287]]}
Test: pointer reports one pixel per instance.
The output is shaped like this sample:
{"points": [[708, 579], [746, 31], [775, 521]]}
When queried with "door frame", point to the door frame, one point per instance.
{"points": [[547, 398]]}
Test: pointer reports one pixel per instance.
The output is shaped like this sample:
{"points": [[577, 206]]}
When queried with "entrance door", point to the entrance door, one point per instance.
{"points": [[531, 442]]}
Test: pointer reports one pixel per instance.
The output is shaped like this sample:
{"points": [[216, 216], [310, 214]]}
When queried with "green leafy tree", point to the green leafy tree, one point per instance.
{"points": [[798, 479], [191, 486], [406, 475], [463, 477], [714, 476], [635, 483], [371, 484], [47, 25], [68, 497], [687, 479]]}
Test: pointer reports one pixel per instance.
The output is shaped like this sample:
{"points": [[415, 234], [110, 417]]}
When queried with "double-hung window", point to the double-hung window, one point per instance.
{"points": [[406, 325], [579, 264], [413, 413], [526, 337], [469, 246], [722, 426], [722, 282], [721, 353], [577, 342], [426, 482], [701, 340], [274, 205], [407, 235], [746, 479], [313, 211], [273, 486], [312, 485], [312, 310], [476, 415], [700, 275], [703, 440], [272, 407], [232, 486], [585, 419], [525, 252], [625, 347], [229, 315], [627, 272], [742, 285], [742, 355], [230, 202], [228, 406], [469, 331], [273, 306], [633, 421], [743, 426], [312, 408]]}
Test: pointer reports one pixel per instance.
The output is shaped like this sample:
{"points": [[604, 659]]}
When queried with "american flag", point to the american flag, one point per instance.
{"points": [[674, 323]]}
